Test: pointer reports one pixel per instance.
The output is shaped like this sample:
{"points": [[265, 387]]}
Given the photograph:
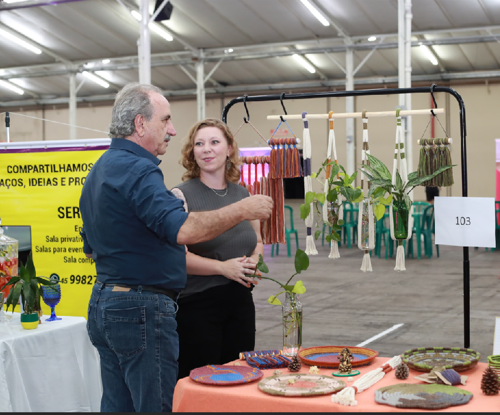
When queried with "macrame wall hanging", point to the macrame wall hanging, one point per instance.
{"points": [[310, 246], [332, 211], [401, 219], [435, 153], [366, 217]]}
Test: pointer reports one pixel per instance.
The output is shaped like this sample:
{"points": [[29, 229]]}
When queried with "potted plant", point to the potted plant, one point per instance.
{"points": [[338, 189], [28, 286], [292, 307]]}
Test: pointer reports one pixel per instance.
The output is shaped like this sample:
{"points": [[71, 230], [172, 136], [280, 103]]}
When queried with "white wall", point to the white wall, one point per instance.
{"points": [[481, 104]]}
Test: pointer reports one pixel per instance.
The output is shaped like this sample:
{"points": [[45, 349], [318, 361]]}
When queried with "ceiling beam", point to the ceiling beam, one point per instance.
{"points": [[33, 3], [269, 87], [157, 60]]}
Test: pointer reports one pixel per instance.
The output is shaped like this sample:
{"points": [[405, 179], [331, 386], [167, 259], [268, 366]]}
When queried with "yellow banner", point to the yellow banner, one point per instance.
{"points": [[41, 188]]}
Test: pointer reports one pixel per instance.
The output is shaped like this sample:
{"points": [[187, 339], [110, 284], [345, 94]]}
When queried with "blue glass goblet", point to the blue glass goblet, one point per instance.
{"points": [[51, 295]]}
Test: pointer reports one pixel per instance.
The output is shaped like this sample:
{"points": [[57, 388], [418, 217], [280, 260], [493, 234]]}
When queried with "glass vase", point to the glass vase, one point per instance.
{"points": [[400, 214], [8, 261], [333, 212], [364, 238], [292, 324]]}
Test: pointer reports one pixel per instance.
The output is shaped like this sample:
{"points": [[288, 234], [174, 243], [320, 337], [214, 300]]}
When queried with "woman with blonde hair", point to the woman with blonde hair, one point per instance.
{"points": [[216, 317]]}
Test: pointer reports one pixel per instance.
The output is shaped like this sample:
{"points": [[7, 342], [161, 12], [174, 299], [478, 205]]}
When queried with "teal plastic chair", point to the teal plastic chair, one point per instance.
{"points": [[383, 234], [418, 212], [429, 228], [288, 231], [350, 226]]}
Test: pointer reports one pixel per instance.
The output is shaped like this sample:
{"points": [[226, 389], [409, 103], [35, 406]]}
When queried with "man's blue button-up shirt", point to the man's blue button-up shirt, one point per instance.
{"points": [[131, 220]]}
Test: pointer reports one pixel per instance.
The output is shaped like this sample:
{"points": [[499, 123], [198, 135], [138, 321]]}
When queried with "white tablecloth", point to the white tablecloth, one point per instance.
{"points": [[53, 368]]}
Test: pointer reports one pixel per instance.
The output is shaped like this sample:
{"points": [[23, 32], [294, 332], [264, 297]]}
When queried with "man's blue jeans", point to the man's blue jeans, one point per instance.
{"points": [[135, 335]]}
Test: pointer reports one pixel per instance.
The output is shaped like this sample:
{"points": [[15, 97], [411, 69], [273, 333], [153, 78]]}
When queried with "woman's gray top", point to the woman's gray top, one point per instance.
{"points": [[238, 241]]}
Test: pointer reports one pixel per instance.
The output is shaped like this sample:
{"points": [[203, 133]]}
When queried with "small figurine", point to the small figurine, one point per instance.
{"points": [[345, 357], [291, 381], [237, 364], [313, 370], [277, 372]]}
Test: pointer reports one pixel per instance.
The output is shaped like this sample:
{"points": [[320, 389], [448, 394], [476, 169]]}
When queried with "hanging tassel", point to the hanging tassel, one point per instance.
{"points": [[400, 257], [334, 250], [310, 246], [448, 181], [366, 266], [347, 397]]}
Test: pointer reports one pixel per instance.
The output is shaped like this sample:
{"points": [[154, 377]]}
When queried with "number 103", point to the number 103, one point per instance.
{"points": [[462, 220]]}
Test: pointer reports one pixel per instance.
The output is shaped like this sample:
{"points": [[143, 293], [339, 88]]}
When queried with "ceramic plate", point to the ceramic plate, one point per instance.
{"points": [[225, 375], [327, 356], [303, 385]]}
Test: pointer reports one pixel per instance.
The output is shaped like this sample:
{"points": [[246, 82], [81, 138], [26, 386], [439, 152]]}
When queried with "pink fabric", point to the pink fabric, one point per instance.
{"points": [[190, 396]]}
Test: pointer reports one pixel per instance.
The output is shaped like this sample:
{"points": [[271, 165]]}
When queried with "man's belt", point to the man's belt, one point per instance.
{"points": [[151, 288]]}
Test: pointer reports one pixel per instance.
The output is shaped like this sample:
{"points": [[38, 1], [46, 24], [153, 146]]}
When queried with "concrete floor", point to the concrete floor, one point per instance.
{"points": [[344, 306]]}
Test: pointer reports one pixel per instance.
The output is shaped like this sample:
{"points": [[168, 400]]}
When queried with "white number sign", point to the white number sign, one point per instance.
{"points": [[465, 221]]}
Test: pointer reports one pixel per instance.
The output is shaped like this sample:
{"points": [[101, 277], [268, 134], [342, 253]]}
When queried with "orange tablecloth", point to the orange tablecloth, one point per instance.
{"points": [[190, 396]]}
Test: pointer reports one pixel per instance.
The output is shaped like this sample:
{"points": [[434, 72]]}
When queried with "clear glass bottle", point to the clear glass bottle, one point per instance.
{"points": [[292, 324], [364, 238], [8, 260]]}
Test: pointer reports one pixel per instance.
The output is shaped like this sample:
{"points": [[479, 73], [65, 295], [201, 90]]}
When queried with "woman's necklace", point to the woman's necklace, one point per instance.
{"points": [[220, 194]]}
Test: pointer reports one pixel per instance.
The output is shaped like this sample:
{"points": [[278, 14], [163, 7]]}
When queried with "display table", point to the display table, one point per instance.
{"points": [[53, 368], [190, 396]]}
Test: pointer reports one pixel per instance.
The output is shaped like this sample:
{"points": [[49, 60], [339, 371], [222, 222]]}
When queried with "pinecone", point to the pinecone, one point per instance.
{"points": [[295, 365], [490, 385], [402, 371]]}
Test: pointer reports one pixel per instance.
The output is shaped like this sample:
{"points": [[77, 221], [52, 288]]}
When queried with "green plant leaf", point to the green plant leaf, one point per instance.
{"points": [[314, 175], [379, 211], [332, 195], [30, 267], [335, 169], [309, 197], [301, 261], [378, 192], [274, 300], [419, 180], [299, 288], [341, 222], [357, 195], [399, 181], [353, 177], [335, 236], [12, 281], [335, 227], [13, 297], [328, 238], [412, 176], [45, 281], [261, 265], [386, 201], [304, 210], [321, 198], [380, 167], [317, 234]]}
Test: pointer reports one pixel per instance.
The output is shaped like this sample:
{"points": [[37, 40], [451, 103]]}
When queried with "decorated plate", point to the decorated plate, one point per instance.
{"points": [[225, 375], [406, 395], [300, 384], [425, 359], [327, 356]]}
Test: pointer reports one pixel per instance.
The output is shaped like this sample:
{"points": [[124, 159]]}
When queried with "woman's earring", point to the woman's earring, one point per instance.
{"points": [[228, 163]]}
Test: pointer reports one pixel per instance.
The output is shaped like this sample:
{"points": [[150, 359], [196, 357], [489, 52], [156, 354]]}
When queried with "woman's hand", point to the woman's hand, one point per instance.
{"points": [[237, 269]]}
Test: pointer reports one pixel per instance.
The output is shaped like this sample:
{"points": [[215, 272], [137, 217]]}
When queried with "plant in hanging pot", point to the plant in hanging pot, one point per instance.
{"points": [[337, 189], [292, 307], [28, 286], [381, 183]]}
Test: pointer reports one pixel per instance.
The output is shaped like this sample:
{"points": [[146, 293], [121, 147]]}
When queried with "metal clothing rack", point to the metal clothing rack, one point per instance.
{"points": [[392, 91]]}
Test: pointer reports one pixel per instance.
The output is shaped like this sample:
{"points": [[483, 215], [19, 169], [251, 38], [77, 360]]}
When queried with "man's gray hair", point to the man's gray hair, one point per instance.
{"points": [[132, 100]]}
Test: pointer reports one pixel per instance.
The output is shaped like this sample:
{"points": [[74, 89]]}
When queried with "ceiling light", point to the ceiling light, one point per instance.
{"points": [[96, 79], [316, 13], [304, 63], [105, 61], [20, 42], [14, 88], [228, 50], [372, 38], [136, 15], [429, 54], [165, 35]]}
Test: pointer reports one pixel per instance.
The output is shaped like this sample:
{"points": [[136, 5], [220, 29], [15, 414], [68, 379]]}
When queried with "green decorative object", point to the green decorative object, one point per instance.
{"points": [[425, 359], [422, 396], [345, 375], [494, 363]]}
